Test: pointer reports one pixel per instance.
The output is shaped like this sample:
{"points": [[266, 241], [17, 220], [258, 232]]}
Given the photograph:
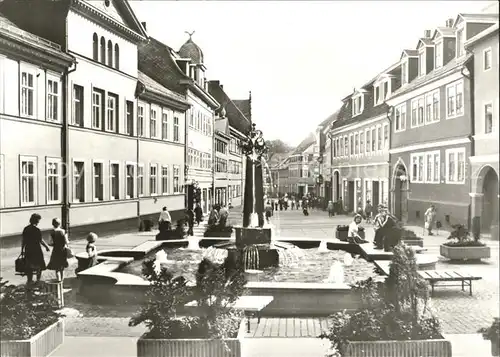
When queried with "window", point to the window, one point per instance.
{"points": [[110, 53], [103, 51], [191, 119], [177, 185], [140, 180], [112, 117], [98, 190], [27, 93], [2, 181], [454, 100], [386, 136], [341, 147], [432, 107], [417, 112], [129, 171], [77, 117], [361, 142], [346, 146], [421, 63], [129, 108], [404, 73], [373, 140], [438, 55], [351, 149], [400, 118], [78, 181], [417, 167], [379, 138], [117, 56], [487, 59], [488, 118], [164, 180], [153, 179], [140, 120], [377, 94], [152, 123], [455, 166], [53, 99], [368, 140], [95, 47], [176, 129], [357, 105], [164, 126], [97, 108], [386, 89], [53, 180], [28, 166], [115, 181], [356, 143], [432, 167], [460, 43]]}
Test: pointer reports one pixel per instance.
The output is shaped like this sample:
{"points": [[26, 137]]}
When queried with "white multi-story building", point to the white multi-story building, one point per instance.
{"points": [[113, 160]]}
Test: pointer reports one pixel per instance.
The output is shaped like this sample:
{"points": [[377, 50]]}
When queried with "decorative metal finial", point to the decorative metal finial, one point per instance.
{"points": [[190, 34], [254, 146]]}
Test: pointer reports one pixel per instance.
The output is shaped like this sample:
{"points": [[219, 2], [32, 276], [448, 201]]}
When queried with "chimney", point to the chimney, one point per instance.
{"points": [[427, 34], [449, 23], [144, 25]]}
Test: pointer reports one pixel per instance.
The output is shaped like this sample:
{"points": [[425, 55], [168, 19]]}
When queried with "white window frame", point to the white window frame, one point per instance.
{"points": [[2, 179], [367, 144], [352, 146], [380, 138], [385, 142], [30, 70], [134, 182], [97, 93], [111, 112], [34, 160], [141, 109], [54, 96], [355, 137], [357, 110], [178, 188], [433, 168], [402, 123], [455, 85], [140, 188], [420, 155], [438, 49], [404, 72], [163, 177], [493, 127], [129, 129], [177, 130], [422, 66], [73, 105], [460, 48], [153, 123], [455, 152], [94, 188], [416, 101], [346, 144], [487, 51], [73, 186], [2, 84], [150, 177], [164, 126], [361, 146], [434, 94], [111, 176], [58, 178], [373, 149]]}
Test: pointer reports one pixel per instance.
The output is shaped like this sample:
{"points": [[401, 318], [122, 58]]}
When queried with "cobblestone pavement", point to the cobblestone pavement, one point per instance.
{"points": [[459, 313]]}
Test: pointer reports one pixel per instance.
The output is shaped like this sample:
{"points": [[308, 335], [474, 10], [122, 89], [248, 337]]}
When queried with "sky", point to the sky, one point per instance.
{"points": [[298, 58]]}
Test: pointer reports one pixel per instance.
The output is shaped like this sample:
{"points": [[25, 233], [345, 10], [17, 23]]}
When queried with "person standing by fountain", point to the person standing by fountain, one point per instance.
{"points": [[430, 217], [91, 249], [198, 212], [223, 214], [164, 221], [380, 227], [213, 218], [58, 258], [31, 249]]}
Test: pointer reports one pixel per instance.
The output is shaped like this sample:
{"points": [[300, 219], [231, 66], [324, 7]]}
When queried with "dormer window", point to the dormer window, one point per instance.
{"points": [[386, 89], [377, 94], [357, 104], [438, 55], [404, 73], [421, 63], [460, 43]]}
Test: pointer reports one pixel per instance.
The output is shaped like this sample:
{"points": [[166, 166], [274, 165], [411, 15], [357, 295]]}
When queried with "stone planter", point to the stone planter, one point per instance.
{"points": [[421, 348], [221, 234], [191, 347], [419, 242], [41, 345], [465, 253]]}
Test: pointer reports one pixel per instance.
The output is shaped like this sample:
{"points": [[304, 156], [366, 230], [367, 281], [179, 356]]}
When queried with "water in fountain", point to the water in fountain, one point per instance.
{"points": [[215, 254], [160, 260], [322, 246], [336, 274], [251, 258], [193, 244]]}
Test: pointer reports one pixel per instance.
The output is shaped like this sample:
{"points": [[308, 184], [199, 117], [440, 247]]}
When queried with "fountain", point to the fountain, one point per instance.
{"points": [[193, 244], [253, 245], [160, 260]]}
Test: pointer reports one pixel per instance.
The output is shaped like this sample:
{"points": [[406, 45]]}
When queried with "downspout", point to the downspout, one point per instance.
{"points": [[140, 89], [472, 122], [389, 113], [65, 156]]}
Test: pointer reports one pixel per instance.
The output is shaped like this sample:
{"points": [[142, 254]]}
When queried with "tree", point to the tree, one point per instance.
{"points": [[277, 146]]}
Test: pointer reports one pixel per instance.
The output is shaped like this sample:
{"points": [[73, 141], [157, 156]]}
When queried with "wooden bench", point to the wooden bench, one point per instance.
{"points": [[251, 305], [438, 276]]}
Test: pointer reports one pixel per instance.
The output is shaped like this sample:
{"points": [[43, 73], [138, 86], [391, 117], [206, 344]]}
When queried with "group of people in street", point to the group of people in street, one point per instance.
{"points": [[219, 215], [32, 257]]}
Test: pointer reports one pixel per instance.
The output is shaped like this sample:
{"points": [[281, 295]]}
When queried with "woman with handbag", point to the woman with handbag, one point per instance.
{"points": [[31, 249], [59, 258]]}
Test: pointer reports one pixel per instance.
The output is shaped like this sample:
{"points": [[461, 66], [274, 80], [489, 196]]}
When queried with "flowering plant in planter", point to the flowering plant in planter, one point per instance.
{"points": [[460, 237], [26, 310], [492, 333], [396, 309], [217, 286]]}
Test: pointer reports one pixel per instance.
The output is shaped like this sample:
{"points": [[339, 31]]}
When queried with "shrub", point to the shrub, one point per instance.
{"points": [[491, 333], [217, 287], [26, 310], [392, 310], [460, 237]]}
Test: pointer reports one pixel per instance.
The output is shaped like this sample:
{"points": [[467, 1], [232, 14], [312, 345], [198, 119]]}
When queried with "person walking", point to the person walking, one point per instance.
{"points": [[269, 211], [213, 218], [430, 217], [165, 220], [198, 212], [190, 221], [91, 249], [368, 211], [330, 209], [223, 216], [31, 249], [59, 257]]}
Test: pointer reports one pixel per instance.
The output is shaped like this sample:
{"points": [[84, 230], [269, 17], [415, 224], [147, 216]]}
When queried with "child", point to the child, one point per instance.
{"points": [[92, 249]]}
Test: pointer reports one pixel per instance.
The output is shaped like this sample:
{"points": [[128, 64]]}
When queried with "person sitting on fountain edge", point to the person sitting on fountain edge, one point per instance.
{"points": [[353, 235]]}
